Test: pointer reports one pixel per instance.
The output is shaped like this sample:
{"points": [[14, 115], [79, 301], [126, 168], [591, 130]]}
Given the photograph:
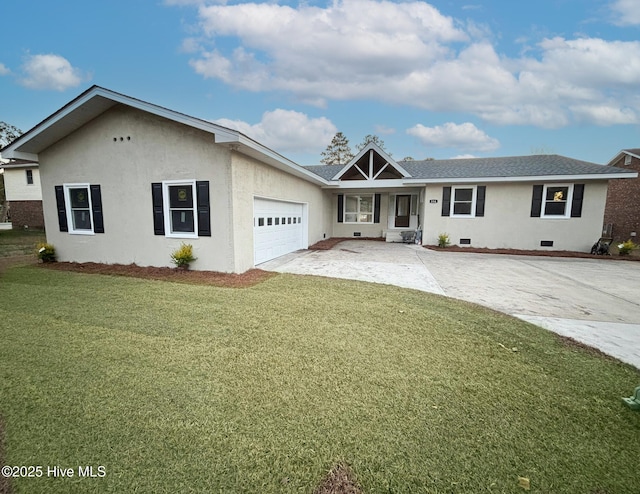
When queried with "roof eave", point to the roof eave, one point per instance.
{"points": [[530, 178], [620, 155], [254, 149], [88, 106]]}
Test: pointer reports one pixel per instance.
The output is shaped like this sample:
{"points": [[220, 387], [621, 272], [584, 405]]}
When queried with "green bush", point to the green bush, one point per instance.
{"points": [[443, 240], [46, 252], [625, 248], [183, 256]]}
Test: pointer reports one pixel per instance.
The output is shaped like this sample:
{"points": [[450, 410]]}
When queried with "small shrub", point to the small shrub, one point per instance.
{"points": [[183, 256], [625, 248], [46, 252], [443, 240]]}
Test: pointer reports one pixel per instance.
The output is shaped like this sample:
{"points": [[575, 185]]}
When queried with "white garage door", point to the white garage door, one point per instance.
{"points": [[278, 229]]}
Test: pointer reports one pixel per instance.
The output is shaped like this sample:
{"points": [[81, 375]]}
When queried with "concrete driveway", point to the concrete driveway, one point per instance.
{"points": [[594, 301]]}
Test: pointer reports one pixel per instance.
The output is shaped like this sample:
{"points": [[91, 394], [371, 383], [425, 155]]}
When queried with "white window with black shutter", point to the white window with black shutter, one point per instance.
{"points": [[181, 208], [79, 208], [557, 201], [358, 208], [463, 201]]}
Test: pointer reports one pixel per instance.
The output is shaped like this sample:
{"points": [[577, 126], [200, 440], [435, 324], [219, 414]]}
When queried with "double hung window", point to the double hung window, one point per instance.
{"points": [[79, 208], [181, 208], [358, 208], [556, 199]]}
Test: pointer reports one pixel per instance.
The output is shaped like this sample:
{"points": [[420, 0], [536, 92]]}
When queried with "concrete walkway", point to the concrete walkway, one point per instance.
{"points": [[584, 299]]}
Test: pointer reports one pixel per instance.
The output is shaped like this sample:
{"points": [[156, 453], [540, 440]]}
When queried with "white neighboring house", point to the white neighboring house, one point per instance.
{"points": [[23, 193]]}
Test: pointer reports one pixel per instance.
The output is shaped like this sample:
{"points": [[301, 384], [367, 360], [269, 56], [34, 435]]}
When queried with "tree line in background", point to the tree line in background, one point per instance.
{"points": [[338, 152]]}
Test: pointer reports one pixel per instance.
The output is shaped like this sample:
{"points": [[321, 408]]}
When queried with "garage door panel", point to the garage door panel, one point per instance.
{"points": [[278, 229]]}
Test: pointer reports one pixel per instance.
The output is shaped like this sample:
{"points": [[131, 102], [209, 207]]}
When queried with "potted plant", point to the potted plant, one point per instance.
{"points": [[183, 256]]}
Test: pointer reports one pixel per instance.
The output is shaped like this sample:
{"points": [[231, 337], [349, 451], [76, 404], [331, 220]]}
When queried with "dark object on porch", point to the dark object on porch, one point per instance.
{"points": [[601, 247], [408, 237]]}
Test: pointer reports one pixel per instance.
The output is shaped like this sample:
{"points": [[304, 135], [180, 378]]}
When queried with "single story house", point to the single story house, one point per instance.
{"points": [[23, 193], [125, 181], [622, 211]]}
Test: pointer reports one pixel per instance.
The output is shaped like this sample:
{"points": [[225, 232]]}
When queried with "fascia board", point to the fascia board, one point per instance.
{"points": [[19, 155], [369, 184], [616, 158], [248, 146], [9, 166], [537, 178], [13, 150], [620, 155]]}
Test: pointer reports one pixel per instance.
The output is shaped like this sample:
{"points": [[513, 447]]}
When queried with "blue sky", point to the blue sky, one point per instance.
{"points": [[440, 79]]}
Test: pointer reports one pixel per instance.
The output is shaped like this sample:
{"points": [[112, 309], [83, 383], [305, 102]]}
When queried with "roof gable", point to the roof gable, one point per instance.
{"points": [[97, 100], [625, 152], [371, 163], [89, 105]]}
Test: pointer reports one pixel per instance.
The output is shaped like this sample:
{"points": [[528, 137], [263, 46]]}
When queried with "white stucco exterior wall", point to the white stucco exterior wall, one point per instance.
{"points": [[507, 221], [252, 179], [16, 186], [152, 149]]}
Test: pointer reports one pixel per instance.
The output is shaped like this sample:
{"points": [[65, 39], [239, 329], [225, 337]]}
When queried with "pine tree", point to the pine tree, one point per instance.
{"points": [[338, 151]]}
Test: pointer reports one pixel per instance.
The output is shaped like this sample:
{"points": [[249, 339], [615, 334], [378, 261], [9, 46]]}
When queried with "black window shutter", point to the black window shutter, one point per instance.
{"points": [[158, 209], [576, 203], [376, 208], [536, 201], [204, 209], [480, 193], [96, 209], [62, 210], [340, 208], [446, 201]]}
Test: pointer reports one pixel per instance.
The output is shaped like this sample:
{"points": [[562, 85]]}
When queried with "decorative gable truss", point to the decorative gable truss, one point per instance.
{"points": [[371, 164]]}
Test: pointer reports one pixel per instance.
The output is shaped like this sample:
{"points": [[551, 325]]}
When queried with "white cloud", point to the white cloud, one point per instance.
{"points": [[50, 72], [384, 130], [408, 53], [626, 12], [287, 131], [464, 136], [4, 70]]}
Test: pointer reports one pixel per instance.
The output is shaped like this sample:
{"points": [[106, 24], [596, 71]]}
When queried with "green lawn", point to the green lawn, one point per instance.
{"points": [[184, 388]]}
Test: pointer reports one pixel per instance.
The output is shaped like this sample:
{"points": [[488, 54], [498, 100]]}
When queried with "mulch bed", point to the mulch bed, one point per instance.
{"points": [[540, 253], [339, 480], [229, 280]]}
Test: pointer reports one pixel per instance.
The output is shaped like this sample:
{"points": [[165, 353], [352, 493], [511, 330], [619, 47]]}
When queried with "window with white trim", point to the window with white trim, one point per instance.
{"points": [[556, 201], [181, 218], [358, 208], [463, 201], [29, 175], [78, 202]]}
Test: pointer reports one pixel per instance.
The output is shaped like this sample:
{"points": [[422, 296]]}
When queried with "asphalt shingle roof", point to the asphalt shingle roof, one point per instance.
{"points": [[514, 166]]}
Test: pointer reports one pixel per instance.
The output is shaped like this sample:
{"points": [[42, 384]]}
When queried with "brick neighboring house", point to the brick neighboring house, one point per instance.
{"points": [[622, 210], [23, 194]]}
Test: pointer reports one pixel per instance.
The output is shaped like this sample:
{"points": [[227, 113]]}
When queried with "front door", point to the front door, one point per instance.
{"points": [[403, 211]]}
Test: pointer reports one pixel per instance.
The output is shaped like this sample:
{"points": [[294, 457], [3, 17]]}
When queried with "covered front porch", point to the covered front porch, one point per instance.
{"points": [[377, 214]]}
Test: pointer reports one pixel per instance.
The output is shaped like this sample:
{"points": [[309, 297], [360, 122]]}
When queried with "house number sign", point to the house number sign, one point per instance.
{"points": [[433, 201]]}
